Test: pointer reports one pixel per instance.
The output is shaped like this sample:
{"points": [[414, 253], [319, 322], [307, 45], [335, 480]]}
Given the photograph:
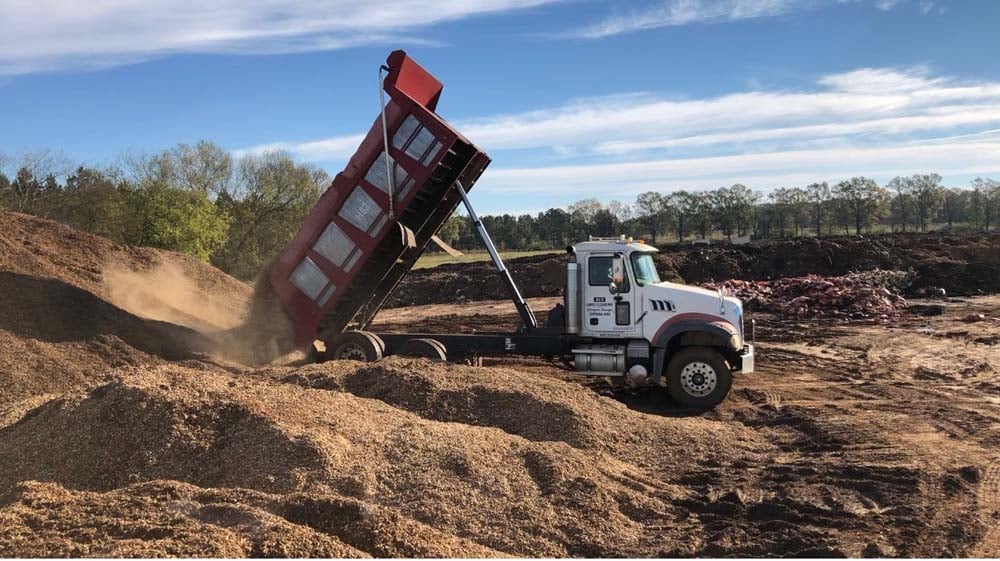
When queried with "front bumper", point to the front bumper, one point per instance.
{"points": [[745, 363]]}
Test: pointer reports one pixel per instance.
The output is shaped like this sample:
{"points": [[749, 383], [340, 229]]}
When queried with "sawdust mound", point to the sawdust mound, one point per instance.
{"points": [[540, 409], [469, 490], [42, 248], [151, 520], [60, 323]]}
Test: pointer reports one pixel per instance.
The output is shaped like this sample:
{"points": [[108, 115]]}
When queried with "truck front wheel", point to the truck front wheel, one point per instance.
{"points": [[698, 377]]}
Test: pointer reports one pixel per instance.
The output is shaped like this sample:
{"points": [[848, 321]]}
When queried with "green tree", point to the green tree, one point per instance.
{"points": [[604, 223], [451, 230], [734, 209], [798, 201], [554, 227], [682, 206], [954, 207], [174, 219], [985, 202], [928, 196], [649, 207], [780, 208], [865, 200], [95, 203], [525, 232], [268, 203], [819, 196], [702, 213]]}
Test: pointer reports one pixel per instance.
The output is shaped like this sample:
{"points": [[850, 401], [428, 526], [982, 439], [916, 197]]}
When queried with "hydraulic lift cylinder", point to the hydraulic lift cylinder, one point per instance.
{"points": [[527, 317]]}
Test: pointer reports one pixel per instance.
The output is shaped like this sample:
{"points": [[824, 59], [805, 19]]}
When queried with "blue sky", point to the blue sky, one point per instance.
{"points": [[571, 98]]}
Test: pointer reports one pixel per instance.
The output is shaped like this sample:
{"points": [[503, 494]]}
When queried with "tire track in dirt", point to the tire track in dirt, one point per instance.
{"points": [[988, 502]]}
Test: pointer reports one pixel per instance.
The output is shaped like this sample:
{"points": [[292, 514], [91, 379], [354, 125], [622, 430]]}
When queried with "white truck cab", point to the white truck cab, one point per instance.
{"points": [[629, 323]]}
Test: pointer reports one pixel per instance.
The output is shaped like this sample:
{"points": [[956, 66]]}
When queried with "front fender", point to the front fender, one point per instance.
{"points": [[705, 329], [692, 329]]}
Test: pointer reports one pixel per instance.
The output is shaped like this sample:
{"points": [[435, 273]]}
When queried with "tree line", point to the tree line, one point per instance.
{"points": [[855, 205], [238, 213]]}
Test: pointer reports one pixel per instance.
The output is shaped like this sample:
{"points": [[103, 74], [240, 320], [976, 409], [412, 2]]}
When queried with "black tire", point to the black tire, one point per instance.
{"points": [[354, 345], [698, 378], [424, 348]]}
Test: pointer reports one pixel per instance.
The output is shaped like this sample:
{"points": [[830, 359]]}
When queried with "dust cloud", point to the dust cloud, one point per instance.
{"points": [[167, 293]]}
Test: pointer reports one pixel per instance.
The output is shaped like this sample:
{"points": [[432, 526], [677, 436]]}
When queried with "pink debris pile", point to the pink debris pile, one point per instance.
{"points": [[874, 294]]}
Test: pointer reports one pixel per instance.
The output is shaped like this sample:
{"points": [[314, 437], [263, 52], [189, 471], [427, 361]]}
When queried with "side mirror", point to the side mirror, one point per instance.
{"points": [[617, 274]]}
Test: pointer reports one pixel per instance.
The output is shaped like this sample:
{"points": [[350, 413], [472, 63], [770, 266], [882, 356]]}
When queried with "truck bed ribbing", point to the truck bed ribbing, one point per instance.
{"points": [[351, 252]]}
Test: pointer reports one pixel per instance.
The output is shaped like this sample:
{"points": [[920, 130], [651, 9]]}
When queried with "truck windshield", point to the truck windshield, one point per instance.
{"points": [[644, 268]]}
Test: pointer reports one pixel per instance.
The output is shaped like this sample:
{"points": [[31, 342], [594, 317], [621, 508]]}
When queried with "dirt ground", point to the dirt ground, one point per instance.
{"points": [[123, 432], [882, 439]]}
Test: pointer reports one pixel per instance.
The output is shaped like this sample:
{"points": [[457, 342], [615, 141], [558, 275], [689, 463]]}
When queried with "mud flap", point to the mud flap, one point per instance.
{"points": [[659, 365], [746, 365]]}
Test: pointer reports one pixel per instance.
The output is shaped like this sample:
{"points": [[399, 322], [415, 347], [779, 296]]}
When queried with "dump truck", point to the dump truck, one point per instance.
{"points": [[410, 173]]}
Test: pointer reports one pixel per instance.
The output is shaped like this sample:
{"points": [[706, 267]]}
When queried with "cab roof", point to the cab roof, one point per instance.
{"points": [[617, 245]]}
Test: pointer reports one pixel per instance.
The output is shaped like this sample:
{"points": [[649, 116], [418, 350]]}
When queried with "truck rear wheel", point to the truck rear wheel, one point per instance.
{"points": [[698, 377], [355, 345], [424, 348]]}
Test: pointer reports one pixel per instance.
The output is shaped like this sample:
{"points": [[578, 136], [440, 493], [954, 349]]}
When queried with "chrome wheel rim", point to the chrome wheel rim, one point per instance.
{"points": [[698, 379], [351, 351]]}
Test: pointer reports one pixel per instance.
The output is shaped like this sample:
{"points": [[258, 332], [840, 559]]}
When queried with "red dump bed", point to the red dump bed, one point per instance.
{"points": [[350, 253]]}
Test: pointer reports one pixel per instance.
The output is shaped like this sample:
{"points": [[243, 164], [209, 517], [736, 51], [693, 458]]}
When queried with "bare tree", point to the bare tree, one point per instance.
{"points": [[621, 211], [902, 202], [205, 167], [35, 183]]}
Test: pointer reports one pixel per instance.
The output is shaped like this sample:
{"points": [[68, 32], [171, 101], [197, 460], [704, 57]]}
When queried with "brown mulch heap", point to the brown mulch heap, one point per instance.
{"points": [[61, 329], [422, 464], [872, 294]]}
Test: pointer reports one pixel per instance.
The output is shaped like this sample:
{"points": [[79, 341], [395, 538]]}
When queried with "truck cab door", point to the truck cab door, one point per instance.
{"points": [[607, 314]]}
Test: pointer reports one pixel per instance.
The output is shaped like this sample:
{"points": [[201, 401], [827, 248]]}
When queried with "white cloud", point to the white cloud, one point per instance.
{"points": [[340, 147], [673, 13], [683, 12], [759, 171], [864, 104], [39, 35], [886, 5], [866, 121]]}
